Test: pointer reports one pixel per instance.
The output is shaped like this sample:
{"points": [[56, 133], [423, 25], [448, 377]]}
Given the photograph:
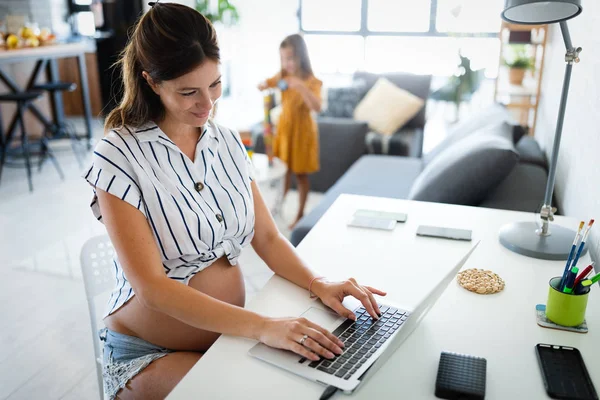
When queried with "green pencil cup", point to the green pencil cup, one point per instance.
{"points": [[563, 308]]}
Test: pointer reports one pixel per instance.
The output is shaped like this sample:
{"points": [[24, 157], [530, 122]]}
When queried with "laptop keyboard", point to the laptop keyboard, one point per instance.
{"points": [[361, 339]]}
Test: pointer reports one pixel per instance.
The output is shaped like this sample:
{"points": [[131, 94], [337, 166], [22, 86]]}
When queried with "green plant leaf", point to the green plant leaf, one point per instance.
{"points": [[225, 12], [520, 58]]}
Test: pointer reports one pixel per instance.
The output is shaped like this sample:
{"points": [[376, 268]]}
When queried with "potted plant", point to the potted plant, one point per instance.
{"points": [[218, 11], [518, 65]]}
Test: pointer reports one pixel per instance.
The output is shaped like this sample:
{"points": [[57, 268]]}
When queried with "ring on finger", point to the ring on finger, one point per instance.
{"points": [[303, 339]]}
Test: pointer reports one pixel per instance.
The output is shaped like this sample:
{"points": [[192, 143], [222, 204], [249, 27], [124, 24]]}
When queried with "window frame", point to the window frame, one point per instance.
{"points": [[365, 32]]}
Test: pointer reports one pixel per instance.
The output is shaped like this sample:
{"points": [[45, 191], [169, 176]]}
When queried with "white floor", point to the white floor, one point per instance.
{"points": [[45, 337]]}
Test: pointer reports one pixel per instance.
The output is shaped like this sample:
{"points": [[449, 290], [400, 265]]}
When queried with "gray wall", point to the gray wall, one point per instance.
{"points": [[578, 173]]}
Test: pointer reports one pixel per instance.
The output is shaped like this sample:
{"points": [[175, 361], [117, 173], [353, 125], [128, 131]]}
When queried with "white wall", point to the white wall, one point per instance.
{"points": [[578, 173]]}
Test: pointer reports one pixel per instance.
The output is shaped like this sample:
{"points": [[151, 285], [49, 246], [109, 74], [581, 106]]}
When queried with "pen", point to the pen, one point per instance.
{"points": [[563, 280], [593, 279], [583, 274], [585, 235], [570, 280]]}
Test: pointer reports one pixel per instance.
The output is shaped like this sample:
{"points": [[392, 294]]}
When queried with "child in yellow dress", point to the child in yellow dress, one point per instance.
{"points": [[296, 142]]}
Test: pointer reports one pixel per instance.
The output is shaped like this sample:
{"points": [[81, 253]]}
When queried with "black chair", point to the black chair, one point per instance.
{"points": [[57, 129], [25, 149]]}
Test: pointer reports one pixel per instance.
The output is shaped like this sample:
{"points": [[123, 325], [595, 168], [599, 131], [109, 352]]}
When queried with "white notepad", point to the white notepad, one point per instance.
{"points": [[372, 223]]}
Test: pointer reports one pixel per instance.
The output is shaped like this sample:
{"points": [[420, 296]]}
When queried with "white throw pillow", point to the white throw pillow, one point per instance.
{"points": [[386, 107]]}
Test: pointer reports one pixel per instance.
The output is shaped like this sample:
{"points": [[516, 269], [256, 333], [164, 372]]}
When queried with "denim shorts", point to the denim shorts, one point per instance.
{"points": [[124, 357]]}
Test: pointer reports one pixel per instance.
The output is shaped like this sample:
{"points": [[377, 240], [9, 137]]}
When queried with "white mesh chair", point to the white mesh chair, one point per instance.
{"points": [[96, 262]]}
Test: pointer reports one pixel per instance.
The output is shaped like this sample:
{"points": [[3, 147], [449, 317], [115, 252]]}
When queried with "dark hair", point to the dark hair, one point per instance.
{"points": [[168, 41], [297, 43]]}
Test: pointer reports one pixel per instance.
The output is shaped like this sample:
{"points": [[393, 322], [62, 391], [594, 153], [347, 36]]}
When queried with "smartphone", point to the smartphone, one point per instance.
{"points": [[396, 216], [373, 223], [442, 232], [564, 373]]}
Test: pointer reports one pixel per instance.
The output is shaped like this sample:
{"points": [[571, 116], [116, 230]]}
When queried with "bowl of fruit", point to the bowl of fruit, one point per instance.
{"points": [[27, 37]]}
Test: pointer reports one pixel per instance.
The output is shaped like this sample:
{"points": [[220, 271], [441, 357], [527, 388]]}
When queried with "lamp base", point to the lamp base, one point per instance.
{"points": [[522, 238]]}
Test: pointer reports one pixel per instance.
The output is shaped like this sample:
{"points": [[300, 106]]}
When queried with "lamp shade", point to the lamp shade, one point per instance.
{"points": [[533, 12]]}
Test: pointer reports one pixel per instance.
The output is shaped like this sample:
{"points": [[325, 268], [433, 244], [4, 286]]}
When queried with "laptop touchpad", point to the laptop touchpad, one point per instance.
{"points": [[326, 319]]}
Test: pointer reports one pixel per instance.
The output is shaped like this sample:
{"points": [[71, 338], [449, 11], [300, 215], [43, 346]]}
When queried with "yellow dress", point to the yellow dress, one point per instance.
{"points": [[296, 140]]}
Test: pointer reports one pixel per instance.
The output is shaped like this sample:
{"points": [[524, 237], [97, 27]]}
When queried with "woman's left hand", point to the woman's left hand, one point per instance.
{"points": [[333, 293]]}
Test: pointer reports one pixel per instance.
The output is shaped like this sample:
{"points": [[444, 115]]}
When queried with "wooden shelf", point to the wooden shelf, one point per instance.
{"points": [[519, 105], [523, 99], [521, 28]]}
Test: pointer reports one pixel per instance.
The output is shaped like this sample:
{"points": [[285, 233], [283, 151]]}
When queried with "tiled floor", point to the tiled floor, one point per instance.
{"points": [[45, 337]]}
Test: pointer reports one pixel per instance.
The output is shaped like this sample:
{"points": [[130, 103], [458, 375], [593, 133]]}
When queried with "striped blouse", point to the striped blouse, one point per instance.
{"points": [[198, 211]]}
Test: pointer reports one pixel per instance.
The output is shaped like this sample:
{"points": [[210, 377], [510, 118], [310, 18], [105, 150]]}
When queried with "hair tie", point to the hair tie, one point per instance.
{"points": [[153, 3]]}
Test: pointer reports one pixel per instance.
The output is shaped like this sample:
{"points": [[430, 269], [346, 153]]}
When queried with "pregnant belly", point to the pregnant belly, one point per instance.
{"points": [[221, 281]]}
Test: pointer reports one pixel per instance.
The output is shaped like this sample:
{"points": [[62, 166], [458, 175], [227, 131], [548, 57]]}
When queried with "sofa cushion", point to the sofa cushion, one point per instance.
{"points": [[530, 152], [466, 172], [341, 143], [416, 84], [386, 107], [341, 101], [493, 120], [371, 175], [522, 190]]}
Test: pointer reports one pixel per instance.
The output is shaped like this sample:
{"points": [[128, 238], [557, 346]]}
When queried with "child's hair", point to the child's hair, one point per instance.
{"points": [[298, 45], [169, 41]]}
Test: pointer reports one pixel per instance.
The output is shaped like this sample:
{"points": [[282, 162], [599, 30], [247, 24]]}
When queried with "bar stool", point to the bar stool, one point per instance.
{"points": [[26, 149], [60, 129]]}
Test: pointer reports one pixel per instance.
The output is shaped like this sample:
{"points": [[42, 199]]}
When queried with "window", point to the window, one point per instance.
{"points": [[418, 36], [331, 15], [471, 16], [398, 15], [336, 53], [419, 55], [430, 55]]}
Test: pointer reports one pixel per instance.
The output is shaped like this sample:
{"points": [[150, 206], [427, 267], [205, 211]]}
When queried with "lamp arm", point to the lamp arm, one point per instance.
{"points": [[566, 35], [572, 55]]}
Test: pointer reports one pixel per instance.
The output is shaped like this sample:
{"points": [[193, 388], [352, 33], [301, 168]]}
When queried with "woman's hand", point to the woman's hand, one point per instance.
{"points": [[300, 336], [333, 293], [262, 86], [294, 82]]}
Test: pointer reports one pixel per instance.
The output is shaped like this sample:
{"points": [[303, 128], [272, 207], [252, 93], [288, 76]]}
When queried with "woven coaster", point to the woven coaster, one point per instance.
{"points": [[480, 281]]}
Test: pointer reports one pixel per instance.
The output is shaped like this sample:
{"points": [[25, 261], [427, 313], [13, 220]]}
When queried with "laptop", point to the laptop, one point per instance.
{"points": [[368, 343]]}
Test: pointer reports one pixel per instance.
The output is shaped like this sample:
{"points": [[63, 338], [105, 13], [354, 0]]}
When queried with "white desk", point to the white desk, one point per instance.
{"points": [[502, 327]]}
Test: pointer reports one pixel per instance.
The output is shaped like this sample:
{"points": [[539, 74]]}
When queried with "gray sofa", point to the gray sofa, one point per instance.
{"points": [[341, 144], [385, 176], [343, 140]]}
